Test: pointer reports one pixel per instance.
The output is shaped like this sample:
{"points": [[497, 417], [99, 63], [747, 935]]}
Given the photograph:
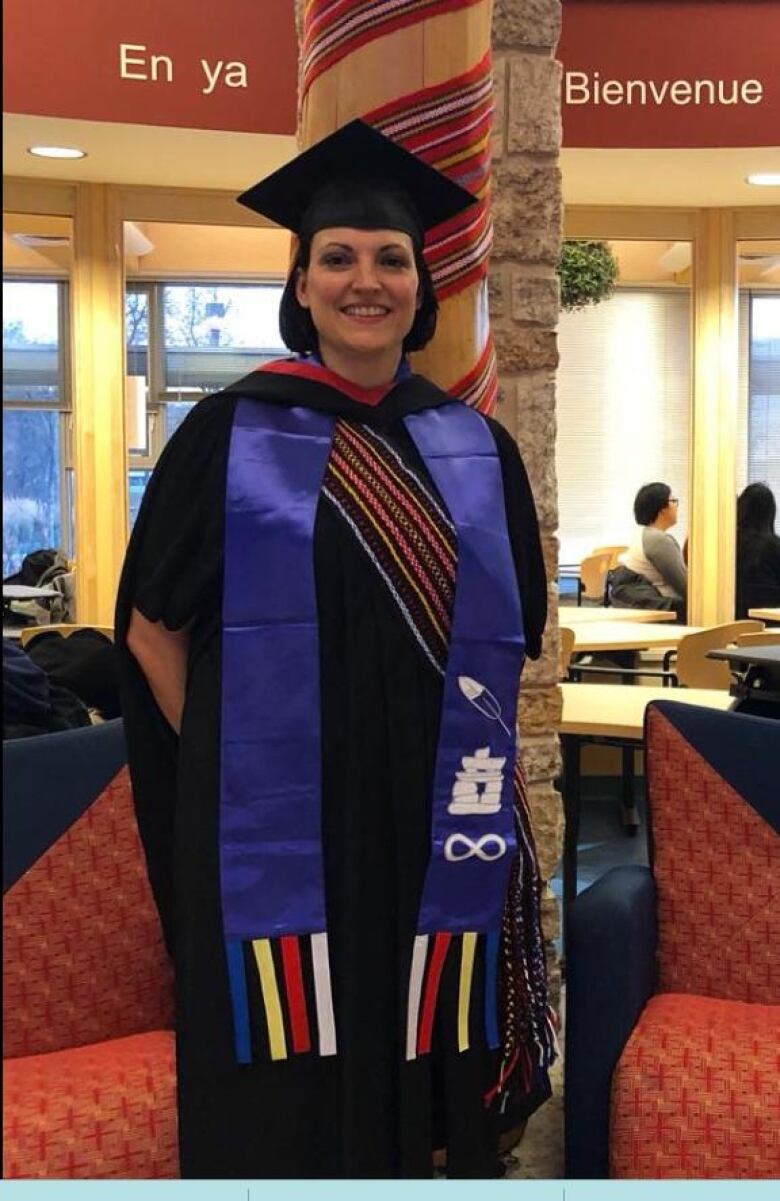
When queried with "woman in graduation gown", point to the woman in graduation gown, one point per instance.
{"points": [[329, 592]]}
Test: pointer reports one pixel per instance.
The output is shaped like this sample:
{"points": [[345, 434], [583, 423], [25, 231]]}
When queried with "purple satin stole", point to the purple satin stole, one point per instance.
{"points": [[272, 879]]}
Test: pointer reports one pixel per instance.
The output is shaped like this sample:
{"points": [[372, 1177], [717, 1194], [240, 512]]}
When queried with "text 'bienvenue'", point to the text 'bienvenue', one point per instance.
{"points": [[583, 88]]}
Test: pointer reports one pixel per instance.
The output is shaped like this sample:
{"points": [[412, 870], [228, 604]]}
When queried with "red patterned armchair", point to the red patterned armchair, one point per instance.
{"points": [[673, 973], [88, 1051]]}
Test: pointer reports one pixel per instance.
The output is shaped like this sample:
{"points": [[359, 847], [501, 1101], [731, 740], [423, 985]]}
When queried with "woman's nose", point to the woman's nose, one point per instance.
{"points": [[365, 277]]}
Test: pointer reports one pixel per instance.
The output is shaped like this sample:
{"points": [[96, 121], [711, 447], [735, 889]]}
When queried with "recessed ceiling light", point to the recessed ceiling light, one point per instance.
{"points": [[767, 179], [57, 151]]}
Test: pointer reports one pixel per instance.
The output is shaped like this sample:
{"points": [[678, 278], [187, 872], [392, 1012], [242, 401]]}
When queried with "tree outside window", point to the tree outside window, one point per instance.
{"points": [[34, 405]]}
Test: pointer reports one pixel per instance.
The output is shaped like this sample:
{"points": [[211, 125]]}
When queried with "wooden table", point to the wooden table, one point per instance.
{"points": [[567, 614], [617, 711], [765, 614], [612, 715], [602, 636]]}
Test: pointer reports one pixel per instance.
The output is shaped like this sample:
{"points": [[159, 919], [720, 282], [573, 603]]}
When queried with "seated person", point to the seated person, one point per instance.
{"points": [[652, 573], [758, 550], [32, 703]]}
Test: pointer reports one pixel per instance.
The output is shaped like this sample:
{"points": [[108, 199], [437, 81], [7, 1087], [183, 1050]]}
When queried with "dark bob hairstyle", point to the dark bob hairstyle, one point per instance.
{"points": [[756, 510], [649, 501], [298, 330]]}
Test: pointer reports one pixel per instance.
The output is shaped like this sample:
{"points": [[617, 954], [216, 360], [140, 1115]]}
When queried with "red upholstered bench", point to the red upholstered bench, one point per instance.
{"points": [[89, 1069], [673, 973], [104, 1110], [696, 1092]]}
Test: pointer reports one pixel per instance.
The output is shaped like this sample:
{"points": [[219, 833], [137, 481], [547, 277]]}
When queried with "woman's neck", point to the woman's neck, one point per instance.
{"points": [[366, 371]]}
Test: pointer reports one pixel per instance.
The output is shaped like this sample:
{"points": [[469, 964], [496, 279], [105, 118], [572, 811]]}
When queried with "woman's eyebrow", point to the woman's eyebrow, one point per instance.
{"points": [[347, 246]]}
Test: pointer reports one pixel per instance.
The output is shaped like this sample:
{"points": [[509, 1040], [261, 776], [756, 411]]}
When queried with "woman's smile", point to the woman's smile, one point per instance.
{"points": [[365, 312]]}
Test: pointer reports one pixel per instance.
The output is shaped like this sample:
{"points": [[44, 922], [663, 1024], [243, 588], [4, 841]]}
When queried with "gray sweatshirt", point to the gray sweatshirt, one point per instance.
{"points": [[656, 556]]}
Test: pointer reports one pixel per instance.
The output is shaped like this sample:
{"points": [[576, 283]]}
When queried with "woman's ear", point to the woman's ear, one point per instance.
{"points": [[300, 288]]}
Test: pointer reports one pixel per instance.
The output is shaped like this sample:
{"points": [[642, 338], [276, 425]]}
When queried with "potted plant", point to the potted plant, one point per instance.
{"points": [[587, 271]]}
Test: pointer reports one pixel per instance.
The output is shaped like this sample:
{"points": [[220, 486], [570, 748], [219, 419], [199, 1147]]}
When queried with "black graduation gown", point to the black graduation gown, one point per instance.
{"points": [[366, 1112]]}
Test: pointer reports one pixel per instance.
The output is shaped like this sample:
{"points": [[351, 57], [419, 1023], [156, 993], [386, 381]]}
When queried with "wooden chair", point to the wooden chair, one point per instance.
{"points": [[66, 630], [613, 551], [692, 667], [593, 576], [762, 638]]}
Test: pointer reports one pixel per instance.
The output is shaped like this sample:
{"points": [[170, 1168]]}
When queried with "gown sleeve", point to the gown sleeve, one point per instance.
{"points": [[524, 535], [172, 573]]}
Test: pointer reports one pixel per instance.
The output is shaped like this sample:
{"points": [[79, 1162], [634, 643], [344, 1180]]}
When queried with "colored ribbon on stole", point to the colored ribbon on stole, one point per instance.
{"points": [[473, 837], [270, 810]]}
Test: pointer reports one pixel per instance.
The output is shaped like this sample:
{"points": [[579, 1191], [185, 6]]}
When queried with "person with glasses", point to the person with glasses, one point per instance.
{"points": [[652, 573]]}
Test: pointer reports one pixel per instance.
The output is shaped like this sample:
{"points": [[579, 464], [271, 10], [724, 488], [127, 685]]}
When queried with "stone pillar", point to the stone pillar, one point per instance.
{"points": [[524, 302]]}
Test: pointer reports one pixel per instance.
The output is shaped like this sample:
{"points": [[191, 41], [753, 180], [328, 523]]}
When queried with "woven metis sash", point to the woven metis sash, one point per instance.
{"points": [[271, 859]]}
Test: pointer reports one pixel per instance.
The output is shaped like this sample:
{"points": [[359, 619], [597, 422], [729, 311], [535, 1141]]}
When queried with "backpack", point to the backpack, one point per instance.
{"points": [[39, 568], [45, 568]]}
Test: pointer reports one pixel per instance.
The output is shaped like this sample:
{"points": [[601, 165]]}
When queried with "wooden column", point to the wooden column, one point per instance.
{"points": [[98, 357], [401, 58], [713, 421], [396, 71]]}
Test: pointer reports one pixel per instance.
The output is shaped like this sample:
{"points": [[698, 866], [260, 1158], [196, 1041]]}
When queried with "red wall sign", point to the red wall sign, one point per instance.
{"points": [[669, 73], [646, 73], [227, 65]]}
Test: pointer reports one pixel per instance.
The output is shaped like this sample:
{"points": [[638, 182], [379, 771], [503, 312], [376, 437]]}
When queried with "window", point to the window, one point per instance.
{"points": [[759, 389], [623, 393], [37, 490], [186, 341]]}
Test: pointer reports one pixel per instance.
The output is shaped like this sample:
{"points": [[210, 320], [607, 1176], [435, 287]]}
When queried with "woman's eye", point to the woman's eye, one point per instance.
{"points": [[395, 260], [335, 259]]}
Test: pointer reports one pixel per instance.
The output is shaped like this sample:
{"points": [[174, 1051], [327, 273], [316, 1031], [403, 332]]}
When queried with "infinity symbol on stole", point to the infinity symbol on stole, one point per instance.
{"points": [[478, 847]]}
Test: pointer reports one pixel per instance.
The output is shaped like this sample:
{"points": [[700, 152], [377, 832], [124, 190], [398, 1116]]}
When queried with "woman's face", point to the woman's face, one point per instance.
{"points": [[361, 288]]}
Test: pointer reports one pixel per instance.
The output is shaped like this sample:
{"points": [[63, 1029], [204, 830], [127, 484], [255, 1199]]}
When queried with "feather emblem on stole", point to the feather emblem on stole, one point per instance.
{"points": [[482, 699]]}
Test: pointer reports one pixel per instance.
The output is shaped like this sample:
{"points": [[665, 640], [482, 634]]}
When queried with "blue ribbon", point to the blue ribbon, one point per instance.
{"points": [[272, 875]]}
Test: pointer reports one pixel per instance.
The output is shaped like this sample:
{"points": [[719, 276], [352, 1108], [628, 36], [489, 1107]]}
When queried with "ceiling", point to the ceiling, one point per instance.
{"points": [[713, 178], [155, 155], [189, 158]]}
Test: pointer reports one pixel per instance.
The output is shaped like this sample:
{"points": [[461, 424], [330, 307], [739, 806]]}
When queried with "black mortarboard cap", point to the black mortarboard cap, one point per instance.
{"points": [[357, 177]]}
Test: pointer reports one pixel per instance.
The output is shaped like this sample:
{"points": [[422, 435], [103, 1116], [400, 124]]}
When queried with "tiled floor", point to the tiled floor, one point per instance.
{"points": [[539, 1155]]}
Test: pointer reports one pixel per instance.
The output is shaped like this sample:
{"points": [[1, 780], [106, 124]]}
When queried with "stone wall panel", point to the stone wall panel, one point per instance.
{"points": [[547, 820], [524, 303], [535, 299], [526, 209], [534, 107], [526, 23], [539, 710]]}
